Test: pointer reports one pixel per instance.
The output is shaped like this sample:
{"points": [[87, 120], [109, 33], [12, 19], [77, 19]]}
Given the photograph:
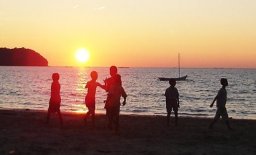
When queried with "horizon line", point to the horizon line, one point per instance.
{"points": [[142, 67]]}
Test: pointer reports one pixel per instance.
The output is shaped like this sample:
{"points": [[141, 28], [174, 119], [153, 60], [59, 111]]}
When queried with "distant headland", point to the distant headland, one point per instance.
{"points": [[21, 57]]}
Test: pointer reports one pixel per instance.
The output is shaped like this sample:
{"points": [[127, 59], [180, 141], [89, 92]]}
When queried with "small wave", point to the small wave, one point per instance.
{"points": [[27, 103], [13, 92], [190, 80], [236, 99], [198, 110], [232, 111], [140, 111], [159, 113], [193, 114], [243, 92]]}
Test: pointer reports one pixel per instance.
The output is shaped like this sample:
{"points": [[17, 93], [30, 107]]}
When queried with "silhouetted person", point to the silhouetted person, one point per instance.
{"points": [[109, 82], [90, 96], [172, 101], [115, 92], [221, 104], [55, 99]]}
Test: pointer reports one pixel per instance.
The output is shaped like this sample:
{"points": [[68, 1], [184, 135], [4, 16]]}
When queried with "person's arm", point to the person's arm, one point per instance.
{"points": [[106, 84], [86, 85], [213, 101], [178, 101], [101, 86], [124, 95], [124, 102], [165, 94], [178, 98]]}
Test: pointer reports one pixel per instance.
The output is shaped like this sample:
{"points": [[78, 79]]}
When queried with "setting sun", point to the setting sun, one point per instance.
{"points": [[82, 55]]}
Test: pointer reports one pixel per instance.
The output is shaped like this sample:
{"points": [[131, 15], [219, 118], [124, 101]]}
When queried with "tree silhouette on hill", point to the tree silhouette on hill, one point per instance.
{"points": [[21, 57]]}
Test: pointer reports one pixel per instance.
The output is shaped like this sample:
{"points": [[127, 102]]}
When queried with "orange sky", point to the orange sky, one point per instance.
{"points": [[144, 33]]}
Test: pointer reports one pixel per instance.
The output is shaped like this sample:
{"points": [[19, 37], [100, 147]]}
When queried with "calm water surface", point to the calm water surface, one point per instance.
{"points": [[29, 88]]}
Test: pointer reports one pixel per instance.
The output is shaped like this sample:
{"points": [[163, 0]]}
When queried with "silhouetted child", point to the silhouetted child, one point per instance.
{"points": [[113, 103], [221, 104], [172, 101], [90, 96], [55, 99]]}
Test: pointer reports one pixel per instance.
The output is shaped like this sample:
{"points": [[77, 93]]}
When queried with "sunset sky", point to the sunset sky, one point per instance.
{"points": [[136, 33]]}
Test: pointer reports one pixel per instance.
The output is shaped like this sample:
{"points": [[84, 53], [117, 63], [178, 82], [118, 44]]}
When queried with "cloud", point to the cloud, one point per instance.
{"points": [[75, 6], [100, 8]]}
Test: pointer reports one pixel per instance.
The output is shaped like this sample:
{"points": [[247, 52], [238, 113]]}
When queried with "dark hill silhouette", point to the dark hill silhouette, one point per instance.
{"points": [[21, 57]]}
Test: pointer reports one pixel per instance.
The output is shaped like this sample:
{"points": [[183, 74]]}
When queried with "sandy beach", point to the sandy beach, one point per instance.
{"points": [[25, 132]]}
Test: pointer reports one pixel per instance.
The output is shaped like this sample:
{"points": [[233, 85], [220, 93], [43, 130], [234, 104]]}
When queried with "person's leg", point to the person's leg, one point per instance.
{"points": [[93, 117], [169, 110], [48, 117], [106, 106], [228, 125], [216, 118], [88, 114], [110, 117], [50, 110], [116, 119], [225, 118], [176, 117], [168, 117], [60, 118], [107, 113], [212, 123]]}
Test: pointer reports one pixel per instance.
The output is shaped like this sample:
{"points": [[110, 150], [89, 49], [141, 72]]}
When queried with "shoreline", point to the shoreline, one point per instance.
{"points": [[102, 112], [25, 132]]}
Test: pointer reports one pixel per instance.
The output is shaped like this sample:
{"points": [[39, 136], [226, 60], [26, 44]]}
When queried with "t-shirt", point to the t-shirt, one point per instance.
{"points": [[110, 82], [221, 98], [90, 96], [55, 92], [172, 95]]}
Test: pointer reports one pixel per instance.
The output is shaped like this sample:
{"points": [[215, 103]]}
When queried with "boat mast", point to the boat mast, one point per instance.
{"points": [[179, 63]]}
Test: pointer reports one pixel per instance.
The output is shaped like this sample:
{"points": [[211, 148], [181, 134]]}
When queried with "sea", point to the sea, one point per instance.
{"points": [[28, 88]]}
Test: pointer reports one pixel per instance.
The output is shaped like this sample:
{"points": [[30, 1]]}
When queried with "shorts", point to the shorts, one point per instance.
{"points": [[54, 106], [171, 106], [221, 112], [113, 111], [90, 102]]}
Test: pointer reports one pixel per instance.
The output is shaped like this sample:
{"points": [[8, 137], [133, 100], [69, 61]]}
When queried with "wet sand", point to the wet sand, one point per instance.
{"points": [[25, 132]]}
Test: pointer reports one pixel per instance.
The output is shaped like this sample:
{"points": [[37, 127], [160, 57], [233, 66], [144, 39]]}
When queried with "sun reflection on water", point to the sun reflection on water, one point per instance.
{"points": [[79, 108]]}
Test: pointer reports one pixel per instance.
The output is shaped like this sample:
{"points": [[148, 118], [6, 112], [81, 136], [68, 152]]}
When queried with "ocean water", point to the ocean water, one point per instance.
{"points": [[29, 88]]}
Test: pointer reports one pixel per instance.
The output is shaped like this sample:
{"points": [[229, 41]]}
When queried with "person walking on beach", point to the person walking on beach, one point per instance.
{"points": [[109, 83], [113, 103], [172, 101], [90, 96], [221, 98], [55, 99]]}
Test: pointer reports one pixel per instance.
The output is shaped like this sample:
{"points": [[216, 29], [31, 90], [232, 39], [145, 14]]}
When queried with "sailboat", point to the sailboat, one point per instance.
{"points": [[180, 78]]}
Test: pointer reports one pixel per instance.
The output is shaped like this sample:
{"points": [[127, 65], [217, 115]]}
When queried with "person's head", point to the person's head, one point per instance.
{"points": [[55, 76], [224, 82], [94, 75], [113, 70], [172, 82]]}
